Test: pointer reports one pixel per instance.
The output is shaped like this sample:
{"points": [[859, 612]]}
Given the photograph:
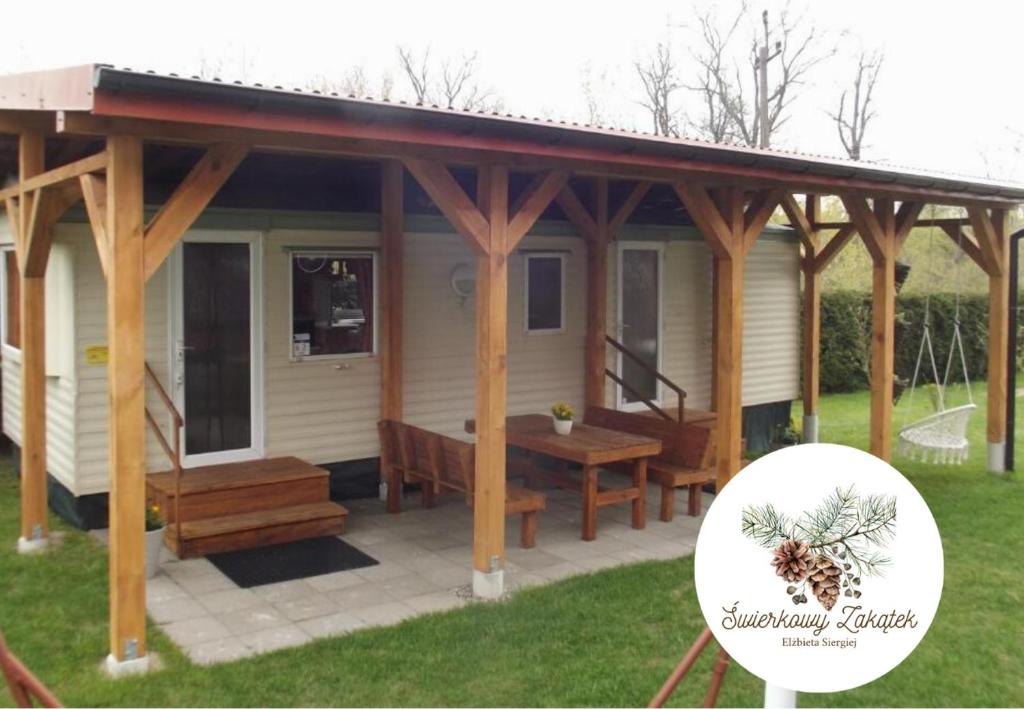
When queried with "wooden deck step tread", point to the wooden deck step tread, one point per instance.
{"points": [[231, 476], [218, 526]]}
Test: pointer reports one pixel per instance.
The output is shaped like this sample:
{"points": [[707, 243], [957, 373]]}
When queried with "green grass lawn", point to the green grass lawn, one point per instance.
{"points": [[604, 639]]}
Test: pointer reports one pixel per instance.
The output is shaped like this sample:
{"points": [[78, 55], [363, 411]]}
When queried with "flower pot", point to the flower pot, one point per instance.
{"points": [[563, 428], [154, 542]]}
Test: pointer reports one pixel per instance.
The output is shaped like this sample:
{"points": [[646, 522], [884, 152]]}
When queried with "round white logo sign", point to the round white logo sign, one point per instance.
{"points": [[819, 568]]}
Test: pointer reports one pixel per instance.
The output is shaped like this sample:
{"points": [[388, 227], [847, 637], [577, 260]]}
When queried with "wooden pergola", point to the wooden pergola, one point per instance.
{"points": [[729, 193]]}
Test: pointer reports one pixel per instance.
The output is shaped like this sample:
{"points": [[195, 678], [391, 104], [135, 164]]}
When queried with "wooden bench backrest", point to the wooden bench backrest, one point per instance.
{"points": [[428, 454], [688, 445]]}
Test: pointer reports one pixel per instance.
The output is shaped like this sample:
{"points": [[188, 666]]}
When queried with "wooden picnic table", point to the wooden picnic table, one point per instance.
{"points": [[591, 447]]}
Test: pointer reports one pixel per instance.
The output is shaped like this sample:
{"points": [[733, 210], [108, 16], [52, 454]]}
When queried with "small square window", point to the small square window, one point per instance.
{"points": [[545, 293], [333, 304]]}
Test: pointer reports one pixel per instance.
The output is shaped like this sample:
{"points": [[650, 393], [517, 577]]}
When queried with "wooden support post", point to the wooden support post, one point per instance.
{"points": [[878, 229], [803, 222], [597, 300], [491, 386], [998, 336], [392, 176], [34, 527], [731, 230], [729, 366], [126, 281]]}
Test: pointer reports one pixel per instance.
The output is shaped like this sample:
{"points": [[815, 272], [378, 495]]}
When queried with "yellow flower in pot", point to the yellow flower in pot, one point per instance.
{"points": [[562, 414]]}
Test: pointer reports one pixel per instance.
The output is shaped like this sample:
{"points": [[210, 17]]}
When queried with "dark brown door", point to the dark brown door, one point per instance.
{"points": [[217, 347]]}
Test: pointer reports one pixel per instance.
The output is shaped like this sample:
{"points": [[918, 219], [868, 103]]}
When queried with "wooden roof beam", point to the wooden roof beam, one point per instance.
{"points": [[340, 141], [71, 171], [906, 219], [757, 214], [707, 216], [985, 235]]}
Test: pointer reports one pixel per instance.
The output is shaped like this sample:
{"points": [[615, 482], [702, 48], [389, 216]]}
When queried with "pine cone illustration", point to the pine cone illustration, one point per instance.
{"points": [[824, 581], [792, 560]]}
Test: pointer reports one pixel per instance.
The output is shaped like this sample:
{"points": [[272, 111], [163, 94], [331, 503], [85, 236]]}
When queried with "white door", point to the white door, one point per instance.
{"points": [[215, 348], [639, 323]]}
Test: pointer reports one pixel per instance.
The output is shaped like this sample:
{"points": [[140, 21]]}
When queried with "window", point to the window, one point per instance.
{"points": [[12, 300], [545, 293], [333, 301]]}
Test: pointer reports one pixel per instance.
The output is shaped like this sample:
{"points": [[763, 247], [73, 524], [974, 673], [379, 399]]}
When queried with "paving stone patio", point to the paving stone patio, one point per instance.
{"points": [[425, 565]]}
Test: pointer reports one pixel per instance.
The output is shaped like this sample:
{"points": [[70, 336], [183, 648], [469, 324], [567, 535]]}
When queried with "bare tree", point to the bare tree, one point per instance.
{"points": [[660, 82], [855, 113], [734, 96], [714, 123], [451, 83]]}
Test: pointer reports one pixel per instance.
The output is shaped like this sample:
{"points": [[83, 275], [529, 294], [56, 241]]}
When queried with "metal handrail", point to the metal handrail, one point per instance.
{"points": [[173, 452], [680, 393]]}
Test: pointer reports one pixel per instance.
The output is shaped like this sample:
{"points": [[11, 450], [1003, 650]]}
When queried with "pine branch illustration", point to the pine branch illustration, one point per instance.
{"points": [[832, 518], [766, 526]]}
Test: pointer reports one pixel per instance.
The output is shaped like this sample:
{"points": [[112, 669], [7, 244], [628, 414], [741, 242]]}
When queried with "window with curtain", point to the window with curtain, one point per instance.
{"points": [[545, 293], [332, 304], [12, 301]]}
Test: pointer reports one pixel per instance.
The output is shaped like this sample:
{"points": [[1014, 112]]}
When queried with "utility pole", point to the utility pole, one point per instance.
{"points": [[762, 82]]}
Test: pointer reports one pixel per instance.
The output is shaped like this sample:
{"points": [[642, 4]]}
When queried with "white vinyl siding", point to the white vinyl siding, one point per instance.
{"points": [[60, 382], [440, 345], [771, 325]]}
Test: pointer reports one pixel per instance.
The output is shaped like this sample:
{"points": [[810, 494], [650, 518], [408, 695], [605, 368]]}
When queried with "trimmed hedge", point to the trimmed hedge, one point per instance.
{"points": [[846, 337]]}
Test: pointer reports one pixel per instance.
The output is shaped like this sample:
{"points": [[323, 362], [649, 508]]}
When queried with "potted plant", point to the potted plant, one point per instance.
{"points": [[562, 414], [154, 538]]}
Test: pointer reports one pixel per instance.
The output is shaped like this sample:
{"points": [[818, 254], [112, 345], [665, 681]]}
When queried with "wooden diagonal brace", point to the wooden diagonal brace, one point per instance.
{"points": [[189, 200], [800, 223], [706, 215], [906, 219], [968, 246], [579, 215], [535, 200], [760, 210], [452, 200], [624, 212], [985, 235], [94, 194], [833, 247], [866, 223]]}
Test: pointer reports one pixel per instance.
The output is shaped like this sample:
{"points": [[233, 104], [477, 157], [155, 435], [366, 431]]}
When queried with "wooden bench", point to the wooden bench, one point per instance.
{"points": [[686, 459], [440, 463]]}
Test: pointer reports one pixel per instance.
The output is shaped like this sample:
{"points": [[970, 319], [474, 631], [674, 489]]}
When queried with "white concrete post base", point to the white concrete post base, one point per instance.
{"points": [[489, 586], [997, 457], [776, 697], [811, 428], [125, 668], [33, 546], [382, 491]]}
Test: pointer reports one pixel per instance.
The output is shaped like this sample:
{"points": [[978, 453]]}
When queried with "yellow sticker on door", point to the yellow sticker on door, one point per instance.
{"points": [[97, 354]]}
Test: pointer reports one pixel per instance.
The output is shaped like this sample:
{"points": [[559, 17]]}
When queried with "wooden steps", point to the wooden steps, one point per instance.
{"points": [[244, 505]]}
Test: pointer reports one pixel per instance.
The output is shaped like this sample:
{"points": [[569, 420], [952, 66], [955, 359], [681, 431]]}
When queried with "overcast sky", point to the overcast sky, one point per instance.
{"points": [[949, 97]]}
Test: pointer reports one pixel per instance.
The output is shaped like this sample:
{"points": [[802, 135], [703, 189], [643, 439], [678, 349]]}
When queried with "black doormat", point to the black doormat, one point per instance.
{"points": [[290, 561]]}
